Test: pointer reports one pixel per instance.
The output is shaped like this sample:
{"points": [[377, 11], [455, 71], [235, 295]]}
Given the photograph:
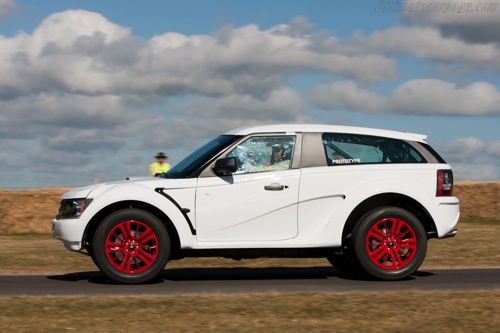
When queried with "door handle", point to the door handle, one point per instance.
{"points": [[275, 187]]}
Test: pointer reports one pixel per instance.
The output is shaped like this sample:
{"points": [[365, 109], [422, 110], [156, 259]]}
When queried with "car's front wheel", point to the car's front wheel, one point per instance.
{"points": [[131, 246], [390, 243]]}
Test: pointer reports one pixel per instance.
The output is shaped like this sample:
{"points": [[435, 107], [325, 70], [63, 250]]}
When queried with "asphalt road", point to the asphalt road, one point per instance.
{"points": [[244, 280]]}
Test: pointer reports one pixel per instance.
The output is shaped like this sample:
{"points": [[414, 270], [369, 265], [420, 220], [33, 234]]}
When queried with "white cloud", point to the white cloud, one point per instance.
{"points": [[65, 28], [67, 52], [206, 117], [471, 149], [85, 98], [418, 97], [474, 21], [475, 172], [82, 52], [493, 148], [472, 158], [463, 150], [45, 113], [7, 7], [283, 104], [428, 43], [443, 31], [80, 87]]}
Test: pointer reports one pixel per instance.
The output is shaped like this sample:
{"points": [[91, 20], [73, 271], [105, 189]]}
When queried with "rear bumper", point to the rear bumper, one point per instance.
{"points": [[447, 218]]}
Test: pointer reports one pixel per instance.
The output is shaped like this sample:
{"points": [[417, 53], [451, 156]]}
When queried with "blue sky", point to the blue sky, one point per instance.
{"points": [[201, 17], [93, 89]]}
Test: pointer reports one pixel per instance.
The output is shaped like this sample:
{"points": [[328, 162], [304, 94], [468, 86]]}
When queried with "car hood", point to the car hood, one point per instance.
{"points": [[149, 182]]}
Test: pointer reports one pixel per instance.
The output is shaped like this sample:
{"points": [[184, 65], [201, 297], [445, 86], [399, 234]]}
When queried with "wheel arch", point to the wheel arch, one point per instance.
{"points": [[97, 219], [389, 199]]}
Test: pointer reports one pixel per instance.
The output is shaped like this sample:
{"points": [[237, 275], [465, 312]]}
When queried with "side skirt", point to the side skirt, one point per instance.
{"points": [[239, 254]]}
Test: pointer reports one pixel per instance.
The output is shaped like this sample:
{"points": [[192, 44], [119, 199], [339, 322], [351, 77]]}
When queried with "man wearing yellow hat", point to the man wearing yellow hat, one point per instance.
{"points": [[160, 166]]}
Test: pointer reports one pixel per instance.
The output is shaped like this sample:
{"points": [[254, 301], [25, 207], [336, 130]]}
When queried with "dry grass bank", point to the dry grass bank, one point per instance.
{"points": [[28, 211], [31, 211], [479, 199]]}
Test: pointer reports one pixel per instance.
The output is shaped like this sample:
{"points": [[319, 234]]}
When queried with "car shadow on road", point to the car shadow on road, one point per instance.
{"points": [[233, 273]]}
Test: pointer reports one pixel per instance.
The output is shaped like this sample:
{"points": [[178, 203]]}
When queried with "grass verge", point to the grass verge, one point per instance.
{"points": [[471, 311]]}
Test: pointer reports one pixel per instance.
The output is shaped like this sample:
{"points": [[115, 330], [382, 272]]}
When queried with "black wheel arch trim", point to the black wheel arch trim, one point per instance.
{"points": [[184, 211]]}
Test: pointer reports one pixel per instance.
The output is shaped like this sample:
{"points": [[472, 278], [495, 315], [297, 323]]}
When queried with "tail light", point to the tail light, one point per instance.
{"points": [[444, 183]]}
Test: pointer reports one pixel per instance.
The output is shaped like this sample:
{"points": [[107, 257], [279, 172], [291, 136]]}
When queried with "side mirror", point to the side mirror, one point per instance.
{"points": [[225, 165]]}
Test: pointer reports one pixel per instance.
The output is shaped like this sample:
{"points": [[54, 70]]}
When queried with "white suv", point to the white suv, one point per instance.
{"points": [[365, 199]]}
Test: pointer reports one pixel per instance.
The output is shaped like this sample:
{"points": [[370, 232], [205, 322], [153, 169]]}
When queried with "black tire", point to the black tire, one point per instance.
{"points": [[389, 243], [131, 246], [345, 264]]}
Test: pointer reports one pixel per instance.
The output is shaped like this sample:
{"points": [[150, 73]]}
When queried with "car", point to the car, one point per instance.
{"points": [[365, 199]]}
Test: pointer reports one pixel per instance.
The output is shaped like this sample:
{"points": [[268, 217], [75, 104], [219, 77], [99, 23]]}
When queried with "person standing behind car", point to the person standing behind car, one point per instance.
{"points": [[160, 166]]}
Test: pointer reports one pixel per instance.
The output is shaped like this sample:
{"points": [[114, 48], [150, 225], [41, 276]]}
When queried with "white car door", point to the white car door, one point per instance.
{"points": [[258, 202]]}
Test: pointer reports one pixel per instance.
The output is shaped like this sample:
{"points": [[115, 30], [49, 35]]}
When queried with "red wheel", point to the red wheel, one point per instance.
{"points": [[131, 246], [390, 243]]}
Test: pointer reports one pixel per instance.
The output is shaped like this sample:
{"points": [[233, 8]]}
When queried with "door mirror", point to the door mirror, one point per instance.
{"points": [[225, 165]]}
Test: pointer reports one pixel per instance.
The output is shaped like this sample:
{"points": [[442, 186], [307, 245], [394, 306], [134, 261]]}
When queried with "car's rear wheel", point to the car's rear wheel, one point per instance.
{"points": [[390, 243], [131, 246]]}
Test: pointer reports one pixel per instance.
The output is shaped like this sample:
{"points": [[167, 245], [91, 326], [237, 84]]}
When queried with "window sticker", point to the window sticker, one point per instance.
{"points": [[346, 160]]}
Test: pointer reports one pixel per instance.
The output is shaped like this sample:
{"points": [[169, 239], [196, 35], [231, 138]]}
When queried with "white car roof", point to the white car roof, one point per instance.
{"points": [[311, 128]]}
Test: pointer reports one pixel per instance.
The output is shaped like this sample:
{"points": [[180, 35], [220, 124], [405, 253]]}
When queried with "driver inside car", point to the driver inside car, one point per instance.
{"points": [[279, 160]]}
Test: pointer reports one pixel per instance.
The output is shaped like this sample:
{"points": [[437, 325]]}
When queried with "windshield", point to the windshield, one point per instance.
{"points": [[198, 158]]}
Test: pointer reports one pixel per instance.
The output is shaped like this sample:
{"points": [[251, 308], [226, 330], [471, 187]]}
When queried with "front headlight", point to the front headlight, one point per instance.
{"points": [[72, 208]]}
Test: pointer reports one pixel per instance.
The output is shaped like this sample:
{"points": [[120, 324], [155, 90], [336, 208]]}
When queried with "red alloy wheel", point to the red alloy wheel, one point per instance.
{"points": [[391, 244], [131, 247]]}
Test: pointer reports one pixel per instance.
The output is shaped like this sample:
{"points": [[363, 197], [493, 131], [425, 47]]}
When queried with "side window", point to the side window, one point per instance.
{"points": [[343, 149], [264, 153]]}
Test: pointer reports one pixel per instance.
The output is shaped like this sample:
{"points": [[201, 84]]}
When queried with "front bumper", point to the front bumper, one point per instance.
{"points": [[450, 234], [69, 232]]}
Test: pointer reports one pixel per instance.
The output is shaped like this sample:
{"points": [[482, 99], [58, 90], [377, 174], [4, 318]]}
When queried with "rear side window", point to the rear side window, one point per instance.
{"points": [[344, 149], [434, 153]]}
